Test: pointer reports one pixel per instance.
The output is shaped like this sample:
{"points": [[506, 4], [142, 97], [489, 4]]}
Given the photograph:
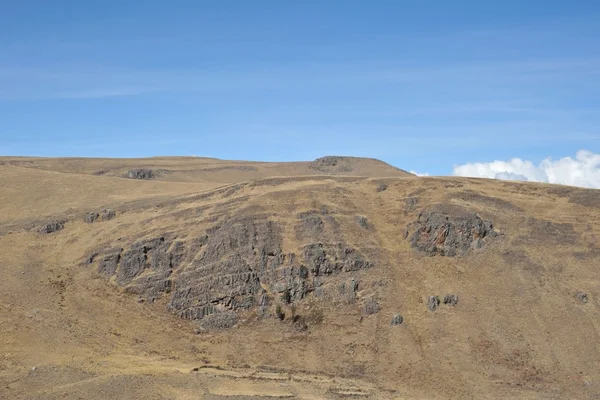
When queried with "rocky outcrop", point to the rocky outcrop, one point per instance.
{"points": [[109, 263], [448, 230], [106, 215], [218, 321], [52, 227], [325, 164], [235, 267], [140, 173]]}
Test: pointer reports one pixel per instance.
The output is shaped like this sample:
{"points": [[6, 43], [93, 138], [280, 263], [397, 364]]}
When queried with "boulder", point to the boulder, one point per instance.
{"points": [[397, 320], [451, 299], [582, 297], [91, 217], [433, 303]]}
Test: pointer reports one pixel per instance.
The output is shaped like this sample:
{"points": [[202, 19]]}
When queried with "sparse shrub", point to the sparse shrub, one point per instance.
{"points": [[315, 316], [279, 312]]}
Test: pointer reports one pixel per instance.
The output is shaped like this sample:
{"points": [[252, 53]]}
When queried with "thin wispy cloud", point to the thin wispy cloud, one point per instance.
{"points": [[82, 81], [104, 93]]}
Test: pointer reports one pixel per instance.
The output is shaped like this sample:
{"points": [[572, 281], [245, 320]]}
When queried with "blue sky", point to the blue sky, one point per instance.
{"points": [[423, 85]]}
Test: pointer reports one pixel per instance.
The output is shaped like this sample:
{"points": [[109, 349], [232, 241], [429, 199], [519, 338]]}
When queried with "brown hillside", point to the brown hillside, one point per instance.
{"points": [[230, 284], [208, 170]]}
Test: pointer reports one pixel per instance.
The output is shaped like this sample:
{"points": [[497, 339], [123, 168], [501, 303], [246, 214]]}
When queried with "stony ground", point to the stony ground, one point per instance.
{"points": [[185, 278]]}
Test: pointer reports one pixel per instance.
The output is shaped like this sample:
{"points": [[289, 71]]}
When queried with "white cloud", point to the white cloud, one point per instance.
{"points": [[583, 170], [418, 173]]}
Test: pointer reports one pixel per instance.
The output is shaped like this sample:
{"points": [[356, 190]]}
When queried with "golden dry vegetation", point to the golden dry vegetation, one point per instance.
{"points": [[518, 331]]}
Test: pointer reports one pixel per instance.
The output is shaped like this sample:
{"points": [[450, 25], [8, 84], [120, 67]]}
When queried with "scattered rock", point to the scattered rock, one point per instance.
{"points": [[397, 320], [451, 299], [91, 217], [582, 297], [108, 214], [449, 230], [433, 303], [370, 307], [51, 227], [140, 173], [362, 221], [382, 187]]}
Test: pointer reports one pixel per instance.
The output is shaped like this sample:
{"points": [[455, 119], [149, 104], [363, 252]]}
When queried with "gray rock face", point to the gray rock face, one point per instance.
{"points": [[451, 299], [349, 289], [237, 266], [218, 321], [110, 262], [325, 260], [397, 320], [448, 230], [329, 163], [582, 297], [91, 217], [52, 227], [140, 173], [370, 307], [433, 303]]}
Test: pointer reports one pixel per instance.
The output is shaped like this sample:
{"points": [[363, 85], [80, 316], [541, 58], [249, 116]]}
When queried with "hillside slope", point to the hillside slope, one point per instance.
{"points": [[300, 287], [206, 170]]}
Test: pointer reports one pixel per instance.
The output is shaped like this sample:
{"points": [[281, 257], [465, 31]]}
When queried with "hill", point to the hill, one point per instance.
{"points": [[339, 278]]}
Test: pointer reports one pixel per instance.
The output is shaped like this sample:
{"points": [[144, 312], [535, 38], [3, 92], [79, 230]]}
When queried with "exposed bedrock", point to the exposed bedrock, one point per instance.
{"points": [[237, 266], [449, 230]]}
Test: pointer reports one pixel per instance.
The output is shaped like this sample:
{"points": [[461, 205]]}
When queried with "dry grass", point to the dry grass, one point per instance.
{"points": [[517, 332]]}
